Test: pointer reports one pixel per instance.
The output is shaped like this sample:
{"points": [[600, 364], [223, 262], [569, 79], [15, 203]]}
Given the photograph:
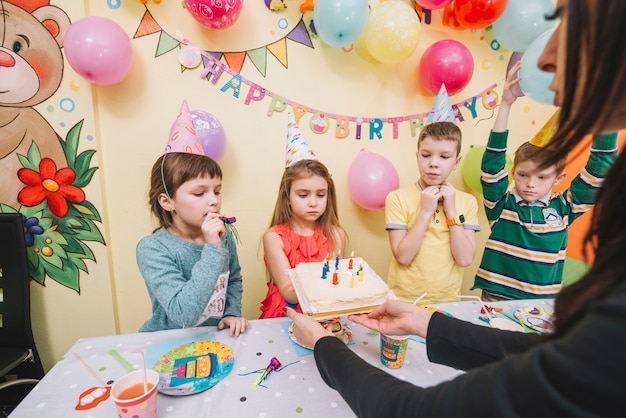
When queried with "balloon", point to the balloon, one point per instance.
{"points": [[340, 22], [370, 179], [433, 4], [534, 81], [392, 32], [446, 62], [98, 49], [470, 167], [478, 14], [214, 14], [522, 22], [211, 134]]}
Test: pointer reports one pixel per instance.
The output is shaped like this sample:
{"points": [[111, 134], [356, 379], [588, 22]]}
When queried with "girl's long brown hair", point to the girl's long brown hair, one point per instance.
{"points": [[595, 71], [329, 221]]}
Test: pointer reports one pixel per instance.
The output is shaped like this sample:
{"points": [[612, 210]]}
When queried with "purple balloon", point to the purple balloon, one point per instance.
{"points": [[211, 134], [516, 56], [98, 49]]}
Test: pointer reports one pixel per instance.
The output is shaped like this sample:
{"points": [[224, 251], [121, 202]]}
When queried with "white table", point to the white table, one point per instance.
{"points": [[297, 390]]}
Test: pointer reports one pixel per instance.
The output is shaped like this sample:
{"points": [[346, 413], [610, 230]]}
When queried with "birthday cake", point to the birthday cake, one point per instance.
{"points": [[342, 286]]}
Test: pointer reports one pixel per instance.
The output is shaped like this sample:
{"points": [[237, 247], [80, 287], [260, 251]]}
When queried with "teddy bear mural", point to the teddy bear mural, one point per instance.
{"points": [[42, 174]]}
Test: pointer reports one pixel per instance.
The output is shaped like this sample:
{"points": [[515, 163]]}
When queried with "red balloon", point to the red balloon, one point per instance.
{"points": [[446, 62], [478, 14]]}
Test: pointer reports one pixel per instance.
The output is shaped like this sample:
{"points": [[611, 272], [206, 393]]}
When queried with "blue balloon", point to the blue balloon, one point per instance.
{"points": [[340, 22], [535, 82], [522, 22]]}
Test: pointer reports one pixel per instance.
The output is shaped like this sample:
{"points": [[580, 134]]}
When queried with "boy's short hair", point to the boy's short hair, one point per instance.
{"points": [[540, 155], [441, 131]]}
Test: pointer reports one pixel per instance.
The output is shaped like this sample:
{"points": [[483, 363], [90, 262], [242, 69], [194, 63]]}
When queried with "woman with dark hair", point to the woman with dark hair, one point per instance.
{"points": [[579, 369]]}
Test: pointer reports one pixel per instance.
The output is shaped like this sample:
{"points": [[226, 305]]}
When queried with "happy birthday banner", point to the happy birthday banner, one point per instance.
{"points": [[320, 119]]}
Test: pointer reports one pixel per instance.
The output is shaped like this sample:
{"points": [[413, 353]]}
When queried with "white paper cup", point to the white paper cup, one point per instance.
{"points": [[129, 397]]}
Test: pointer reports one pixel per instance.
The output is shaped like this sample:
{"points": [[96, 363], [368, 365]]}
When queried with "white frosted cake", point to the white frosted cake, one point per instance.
{"points": [[352, 289]]}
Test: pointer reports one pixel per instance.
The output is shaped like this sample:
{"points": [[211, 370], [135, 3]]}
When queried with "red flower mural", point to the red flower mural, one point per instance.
{"points": [[48, 183]]}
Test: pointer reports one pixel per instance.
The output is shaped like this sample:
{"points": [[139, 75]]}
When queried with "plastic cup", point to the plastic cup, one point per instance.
{"points": [[130, 398], [393, 350]]}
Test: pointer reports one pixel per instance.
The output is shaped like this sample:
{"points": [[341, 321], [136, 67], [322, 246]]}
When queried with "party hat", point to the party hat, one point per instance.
{"points": [[542, 138], [442, 110], [183, 136], [297, 147]]}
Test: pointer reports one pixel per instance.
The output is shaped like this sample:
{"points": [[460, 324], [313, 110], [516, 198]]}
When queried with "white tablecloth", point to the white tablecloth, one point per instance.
{"points": [[296, 390]]}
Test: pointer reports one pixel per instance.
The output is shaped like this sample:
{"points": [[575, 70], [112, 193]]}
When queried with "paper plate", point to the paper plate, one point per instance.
{"points": [[193, 367], [538, 319], [342, 331]]}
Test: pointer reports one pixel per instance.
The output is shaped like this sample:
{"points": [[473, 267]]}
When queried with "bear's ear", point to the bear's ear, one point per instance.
{"points": [[54, 20]]}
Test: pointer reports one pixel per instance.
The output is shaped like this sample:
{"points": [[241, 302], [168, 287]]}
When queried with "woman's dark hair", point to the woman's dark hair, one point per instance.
{"points": [[595, 75]]}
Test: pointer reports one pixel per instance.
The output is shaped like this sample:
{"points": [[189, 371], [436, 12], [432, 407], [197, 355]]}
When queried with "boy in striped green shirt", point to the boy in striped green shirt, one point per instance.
{"points": [[525, 253]]}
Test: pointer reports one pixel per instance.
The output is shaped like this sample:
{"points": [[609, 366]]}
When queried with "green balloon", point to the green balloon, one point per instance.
{"points": [[470, 167]]}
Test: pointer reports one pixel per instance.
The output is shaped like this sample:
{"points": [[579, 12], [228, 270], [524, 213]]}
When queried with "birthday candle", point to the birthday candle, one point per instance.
{"points": [[337, 261], [324, 271], [350, 262], [335, 278], [360, 272], [351, 281]]}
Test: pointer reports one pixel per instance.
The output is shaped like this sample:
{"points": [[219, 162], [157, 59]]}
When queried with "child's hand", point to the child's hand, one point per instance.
{"points": [[448, 193], [236, 324], [213, 229], [430, 199], [511, 90]]}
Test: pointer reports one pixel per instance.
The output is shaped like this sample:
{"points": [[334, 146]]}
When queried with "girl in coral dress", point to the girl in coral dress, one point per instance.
{"points": [[304, 227]]}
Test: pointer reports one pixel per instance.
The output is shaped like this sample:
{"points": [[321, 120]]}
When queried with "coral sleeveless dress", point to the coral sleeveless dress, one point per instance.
{"points": [[298, 249]]}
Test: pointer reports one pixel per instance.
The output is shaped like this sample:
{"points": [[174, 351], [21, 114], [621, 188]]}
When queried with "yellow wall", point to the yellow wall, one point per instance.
{"points": [[132, 120]]}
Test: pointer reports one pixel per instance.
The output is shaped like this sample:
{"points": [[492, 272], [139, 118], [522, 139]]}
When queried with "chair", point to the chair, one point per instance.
{"points": [[20, 365]]}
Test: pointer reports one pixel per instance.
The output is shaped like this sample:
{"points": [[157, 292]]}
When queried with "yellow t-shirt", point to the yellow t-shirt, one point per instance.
{"points": [[433, 270]]}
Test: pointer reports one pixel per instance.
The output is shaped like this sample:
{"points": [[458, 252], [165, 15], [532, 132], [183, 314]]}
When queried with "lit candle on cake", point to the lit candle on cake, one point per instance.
{"points": [[359, 272], [335, 277], [350, 262], [324, 271], [351, 281], [337, 261]]}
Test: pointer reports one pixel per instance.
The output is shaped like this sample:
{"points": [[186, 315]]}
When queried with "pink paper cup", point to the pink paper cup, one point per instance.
{"points": [[393, 350], [130, 398]]}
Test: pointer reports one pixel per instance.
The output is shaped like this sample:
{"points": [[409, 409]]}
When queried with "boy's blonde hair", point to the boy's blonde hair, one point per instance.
{"points": [[441, 131], [540, 155]]}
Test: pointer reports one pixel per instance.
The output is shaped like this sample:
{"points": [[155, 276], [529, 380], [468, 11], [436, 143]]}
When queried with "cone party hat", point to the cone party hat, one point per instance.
{"points": [[442, 110], [297, 147], [183, 136]]}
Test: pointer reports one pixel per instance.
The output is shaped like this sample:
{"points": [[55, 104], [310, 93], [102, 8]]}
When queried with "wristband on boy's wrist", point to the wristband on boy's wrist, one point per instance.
{"points": [[457, 220]]}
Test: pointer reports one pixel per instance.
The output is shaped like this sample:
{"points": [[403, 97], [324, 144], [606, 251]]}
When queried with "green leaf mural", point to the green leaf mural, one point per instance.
{"points": [[58, 218]]}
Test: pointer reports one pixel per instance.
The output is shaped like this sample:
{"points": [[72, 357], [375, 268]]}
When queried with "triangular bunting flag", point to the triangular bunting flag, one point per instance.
{"points": [[166, 44], [147, 26], [301, 35], [235, 60], [259, 59], [279, 50]]}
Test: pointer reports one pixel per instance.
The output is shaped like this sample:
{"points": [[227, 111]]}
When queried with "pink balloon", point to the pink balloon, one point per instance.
{"points": [[211, 134], [370, 179], [98, 49], [448, 62], [433, 4], [215, 14]]}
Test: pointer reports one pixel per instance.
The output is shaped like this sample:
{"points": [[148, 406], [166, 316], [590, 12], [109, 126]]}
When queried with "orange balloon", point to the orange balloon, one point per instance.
{"points": [[478, 14]]}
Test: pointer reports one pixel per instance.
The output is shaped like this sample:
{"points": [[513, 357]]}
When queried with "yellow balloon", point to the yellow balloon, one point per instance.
{"points": [[392, 32]]}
